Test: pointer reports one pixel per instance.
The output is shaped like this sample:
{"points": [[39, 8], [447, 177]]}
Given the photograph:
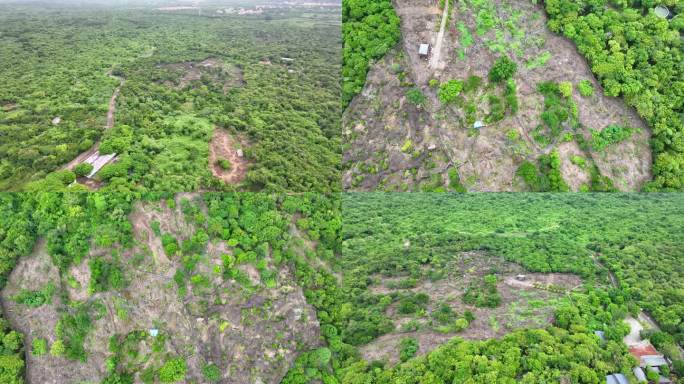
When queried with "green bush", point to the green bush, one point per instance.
{"points": [[455, 181], [83, 169], [39, 347], [612, 134], [472, 83], [565, 88], [503, 69], [211, 372], [585, 88], [408, 347], [224, 164], [449, 91], [415, 96], [173, 371], [57, 348]]}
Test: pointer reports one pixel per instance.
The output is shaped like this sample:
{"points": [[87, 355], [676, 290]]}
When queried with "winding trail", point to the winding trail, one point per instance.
{"points": [[110, 123], [434, 60]]}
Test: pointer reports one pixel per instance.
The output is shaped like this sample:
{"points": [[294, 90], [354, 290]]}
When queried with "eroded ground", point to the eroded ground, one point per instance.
{"points": [[250, 331], [224, 146], [393, 144], [527, 301]]}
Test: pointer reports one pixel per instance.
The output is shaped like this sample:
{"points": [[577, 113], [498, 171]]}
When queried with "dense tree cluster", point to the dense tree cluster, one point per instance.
{"points": [[636, 55], [370, 28]]}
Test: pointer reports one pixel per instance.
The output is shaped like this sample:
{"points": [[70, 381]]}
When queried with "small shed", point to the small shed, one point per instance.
{"points": [[478, 124], [424, 51], [640, 374], [616, 378], [520, 277], [154, 332]]}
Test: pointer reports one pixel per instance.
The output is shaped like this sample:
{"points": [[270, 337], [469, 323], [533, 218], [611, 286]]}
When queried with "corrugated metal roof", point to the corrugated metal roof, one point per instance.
{"points": [[98, 161], [616, 378], [653, 360], [643, 350], [640, 375]]}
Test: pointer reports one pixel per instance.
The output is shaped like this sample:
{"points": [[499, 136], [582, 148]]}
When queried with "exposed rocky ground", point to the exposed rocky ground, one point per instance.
{"points": [[250, 331], [393, 144]]}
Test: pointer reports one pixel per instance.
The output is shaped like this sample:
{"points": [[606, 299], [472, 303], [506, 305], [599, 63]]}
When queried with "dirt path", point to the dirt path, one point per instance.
{"points": [[223, 146], [437, 52], [634, 336], [110, 124]]}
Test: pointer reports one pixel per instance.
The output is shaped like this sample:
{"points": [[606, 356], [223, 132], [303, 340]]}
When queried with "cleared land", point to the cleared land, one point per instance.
{"points": [[527, 301], [251, 332], [394, 143]]}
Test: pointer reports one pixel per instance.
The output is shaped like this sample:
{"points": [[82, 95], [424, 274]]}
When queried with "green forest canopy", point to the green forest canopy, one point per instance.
{"points": [[637, 237], [638, 56], [56, 65]]}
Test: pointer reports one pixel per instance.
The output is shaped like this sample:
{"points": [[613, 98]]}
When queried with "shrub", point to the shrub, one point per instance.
{"points": [[211, 372], [460, 324], [57, 348], [83, 169], [408, 347], [612, 134], [472, 84], [170, 244], [565, 88], [503, 69], [455, 181], [173, 371], [415, 96], [528, 172], [224, 164], [39, 347], [449, 91], [433, 83], [408, 145], [585, 88]]}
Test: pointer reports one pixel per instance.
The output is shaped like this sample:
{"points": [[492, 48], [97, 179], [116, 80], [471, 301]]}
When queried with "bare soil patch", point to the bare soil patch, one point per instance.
{"points": [[225, 146], [31, 273], [251, 332], [380, 121], [527, 302]]}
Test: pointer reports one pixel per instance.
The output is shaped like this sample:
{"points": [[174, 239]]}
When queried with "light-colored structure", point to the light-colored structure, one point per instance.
{"points": [[653, 361], [424, 51], [601, 335], [98, 161], [640, 374], [616, 378], [662, 12]]}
